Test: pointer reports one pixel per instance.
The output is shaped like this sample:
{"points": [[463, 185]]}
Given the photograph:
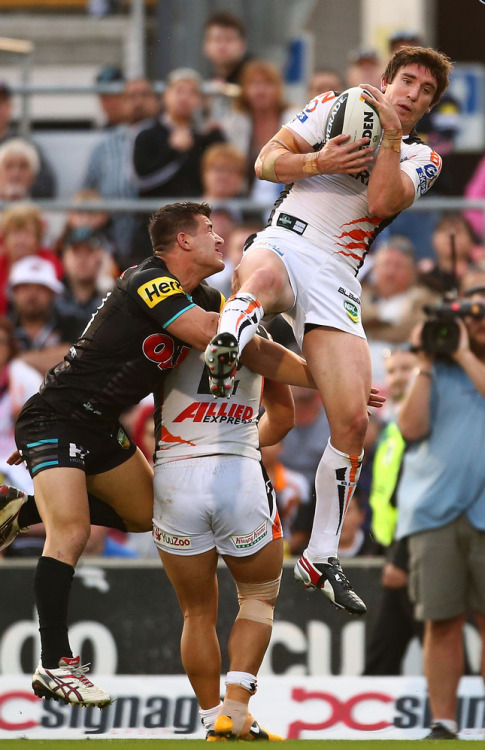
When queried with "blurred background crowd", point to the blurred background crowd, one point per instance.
{"points": [[194, 133]]}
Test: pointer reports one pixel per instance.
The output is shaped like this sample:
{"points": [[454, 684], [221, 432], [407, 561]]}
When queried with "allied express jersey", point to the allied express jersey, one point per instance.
{"points": [[125, 351]]}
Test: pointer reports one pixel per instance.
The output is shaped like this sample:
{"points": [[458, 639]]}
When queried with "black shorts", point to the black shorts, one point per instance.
{"points": [[48, 439]]}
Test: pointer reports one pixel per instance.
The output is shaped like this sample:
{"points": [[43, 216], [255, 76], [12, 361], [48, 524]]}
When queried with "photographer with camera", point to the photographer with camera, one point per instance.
{"points": [[441, 496]]}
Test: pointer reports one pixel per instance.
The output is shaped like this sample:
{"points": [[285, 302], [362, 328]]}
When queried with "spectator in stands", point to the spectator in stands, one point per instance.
{"points": [[224, 170], [225, 46], [291, 488], [364, 66], [355, 541], [395, 625], [168, 153], [392, 302], [42, 333], [322, 80], [110, 166], [21, 230], [475, 188], [113, 102], [19, 167], [82, 261], [258, 113], [45, 184], [442, 274], [18, 382]]}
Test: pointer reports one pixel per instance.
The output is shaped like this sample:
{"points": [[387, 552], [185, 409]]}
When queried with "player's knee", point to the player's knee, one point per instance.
{"points": [[265, 279], [257, 600]]}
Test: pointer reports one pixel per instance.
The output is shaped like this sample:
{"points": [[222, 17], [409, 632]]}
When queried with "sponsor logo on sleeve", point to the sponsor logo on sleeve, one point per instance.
{"points": [[352, 311], [250, 540], [156, 290]]}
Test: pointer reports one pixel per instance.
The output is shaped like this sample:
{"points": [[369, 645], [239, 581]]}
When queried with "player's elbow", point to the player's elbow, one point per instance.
{"points": [[381, 207]]}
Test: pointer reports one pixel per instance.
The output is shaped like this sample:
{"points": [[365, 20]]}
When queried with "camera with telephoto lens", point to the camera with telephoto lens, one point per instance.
{"points": [[441, 334]]}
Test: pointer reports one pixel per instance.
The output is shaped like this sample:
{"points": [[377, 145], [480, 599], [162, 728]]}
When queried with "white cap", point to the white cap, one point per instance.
{"points": [[35, 270]]}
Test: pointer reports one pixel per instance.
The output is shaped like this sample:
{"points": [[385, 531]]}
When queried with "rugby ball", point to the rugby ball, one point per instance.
{"points": [[352, 115]]}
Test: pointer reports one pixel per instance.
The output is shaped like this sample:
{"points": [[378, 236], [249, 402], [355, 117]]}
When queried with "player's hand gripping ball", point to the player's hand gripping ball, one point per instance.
{"points": [[352, 115]]}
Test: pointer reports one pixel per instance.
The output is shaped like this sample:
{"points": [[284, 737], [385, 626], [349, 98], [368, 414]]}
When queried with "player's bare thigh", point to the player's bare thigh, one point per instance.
{"points": [[62, 501], [128, 488], [341, 367], [262, 273], [265, 565], [194, 580]]}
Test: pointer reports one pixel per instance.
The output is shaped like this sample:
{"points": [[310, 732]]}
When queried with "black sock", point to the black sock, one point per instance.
{"points": [[28, 513], [52, 585], [100, 514]]}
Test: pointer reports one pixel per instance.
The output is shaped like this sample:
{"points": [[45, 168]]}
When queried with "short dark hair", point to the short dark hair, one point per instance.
{"points": [[227, 21], [168, 221], [439, 65]]}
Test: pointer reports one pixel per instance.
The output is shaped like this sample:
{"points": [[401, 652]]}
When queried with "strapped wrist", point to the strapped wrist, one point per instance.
{"points": [[310, 164], [391, 140]]}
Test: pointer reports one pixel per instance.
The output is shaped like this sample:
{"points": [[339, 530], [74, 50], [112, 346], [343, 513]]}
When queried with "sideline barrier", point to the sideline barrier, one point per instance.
{"points": [[294, 707]]}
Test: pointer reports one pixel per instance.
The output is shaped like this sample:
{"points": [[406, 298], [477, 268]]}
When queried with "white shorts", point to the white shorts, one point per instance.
{"points": [[326, 290], [224, 502]]}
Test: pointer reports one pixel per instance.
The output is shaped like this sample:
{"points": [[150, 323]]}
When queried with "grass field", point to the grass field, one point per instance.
{"points": [[199, 744]]}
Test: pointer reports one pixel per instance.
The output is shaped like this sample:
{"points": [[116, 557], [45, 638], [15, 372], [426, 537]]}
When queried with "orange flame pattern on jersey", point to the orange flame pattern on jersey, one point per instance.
{"points": [[357, 237], [167, 437]]}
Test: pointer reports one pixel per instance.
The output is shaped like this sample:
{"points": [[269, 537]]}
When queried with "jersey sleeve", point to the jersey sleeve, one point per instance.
{"points": [[423, 167], [310, 122], [159, 294]]}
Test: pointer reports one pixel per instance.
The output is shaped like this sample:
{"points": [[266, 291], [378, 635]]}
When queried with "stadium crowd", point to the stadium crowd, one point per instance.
{"points": [[185, 145]]}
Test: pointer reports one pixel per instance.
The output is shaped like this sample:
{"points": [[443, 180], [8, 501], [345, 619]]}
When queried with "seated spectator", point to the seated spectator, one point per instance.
{"points": [[225, 46], [99, 222], [21, 230], [443, 274], [475, 188], [322, 80], [82, 262], [45, 183], [354, 540], [43, 335], [364, 66], [291, 488], [168, 153], [110, 168], [224, 170], [18, 382], [19, 167], [112, 103], [392, 302], [257, 114]]}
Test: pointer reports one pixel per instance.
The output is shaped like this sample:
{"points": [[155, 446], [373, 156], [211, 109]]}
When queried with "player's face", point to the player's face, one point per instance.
{"points": [[411, 92], [208, 246]]}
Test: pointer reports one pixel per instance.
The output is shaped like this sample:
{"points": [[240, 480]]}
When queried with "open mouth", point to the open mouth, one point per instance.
{"points": [[404, 107]]}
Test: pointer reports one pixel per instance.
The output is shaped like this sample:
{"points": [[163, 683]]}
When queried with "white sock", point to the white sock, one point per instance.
{"points": [[241, 316], [208, 716], [451, 725], [335, 481]]}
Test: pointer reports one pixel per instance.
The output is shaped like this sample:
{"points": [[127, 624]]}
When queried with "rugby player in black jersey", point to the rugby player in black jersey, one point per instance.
{"points": [[69, 433]]}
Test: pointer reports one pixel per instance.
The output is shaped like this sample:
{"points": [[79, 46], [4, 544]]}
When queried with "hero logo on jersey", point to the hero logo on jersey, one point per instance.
{"points": [[352, 115], [156, 290]]}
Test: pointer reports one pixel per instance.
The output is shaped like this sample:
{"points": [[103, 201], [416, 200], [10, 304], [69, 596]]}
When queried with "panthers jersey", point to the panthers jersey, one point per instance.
{"points": [[125, 351], [331, 210], [189, 421]]}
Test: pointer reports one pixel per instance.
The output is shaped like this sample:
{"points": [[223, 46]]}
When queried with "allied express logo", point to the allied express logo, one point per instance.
{"points": [[352, 311], [157, 290]]}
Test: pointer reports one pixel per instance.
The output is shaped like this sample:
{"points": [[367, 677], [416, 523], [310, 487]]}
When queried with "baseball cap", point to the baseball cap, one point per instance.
{"points": [[34, 270], [83, 235], [405, 35], [364, 53], [5, 90], [110, 74]]}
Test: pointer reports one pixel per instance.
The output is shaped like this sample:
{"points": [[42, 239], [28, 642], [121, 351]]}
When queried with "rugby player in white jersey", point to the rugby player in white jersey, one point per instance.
{"points": [[337, 198]]}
